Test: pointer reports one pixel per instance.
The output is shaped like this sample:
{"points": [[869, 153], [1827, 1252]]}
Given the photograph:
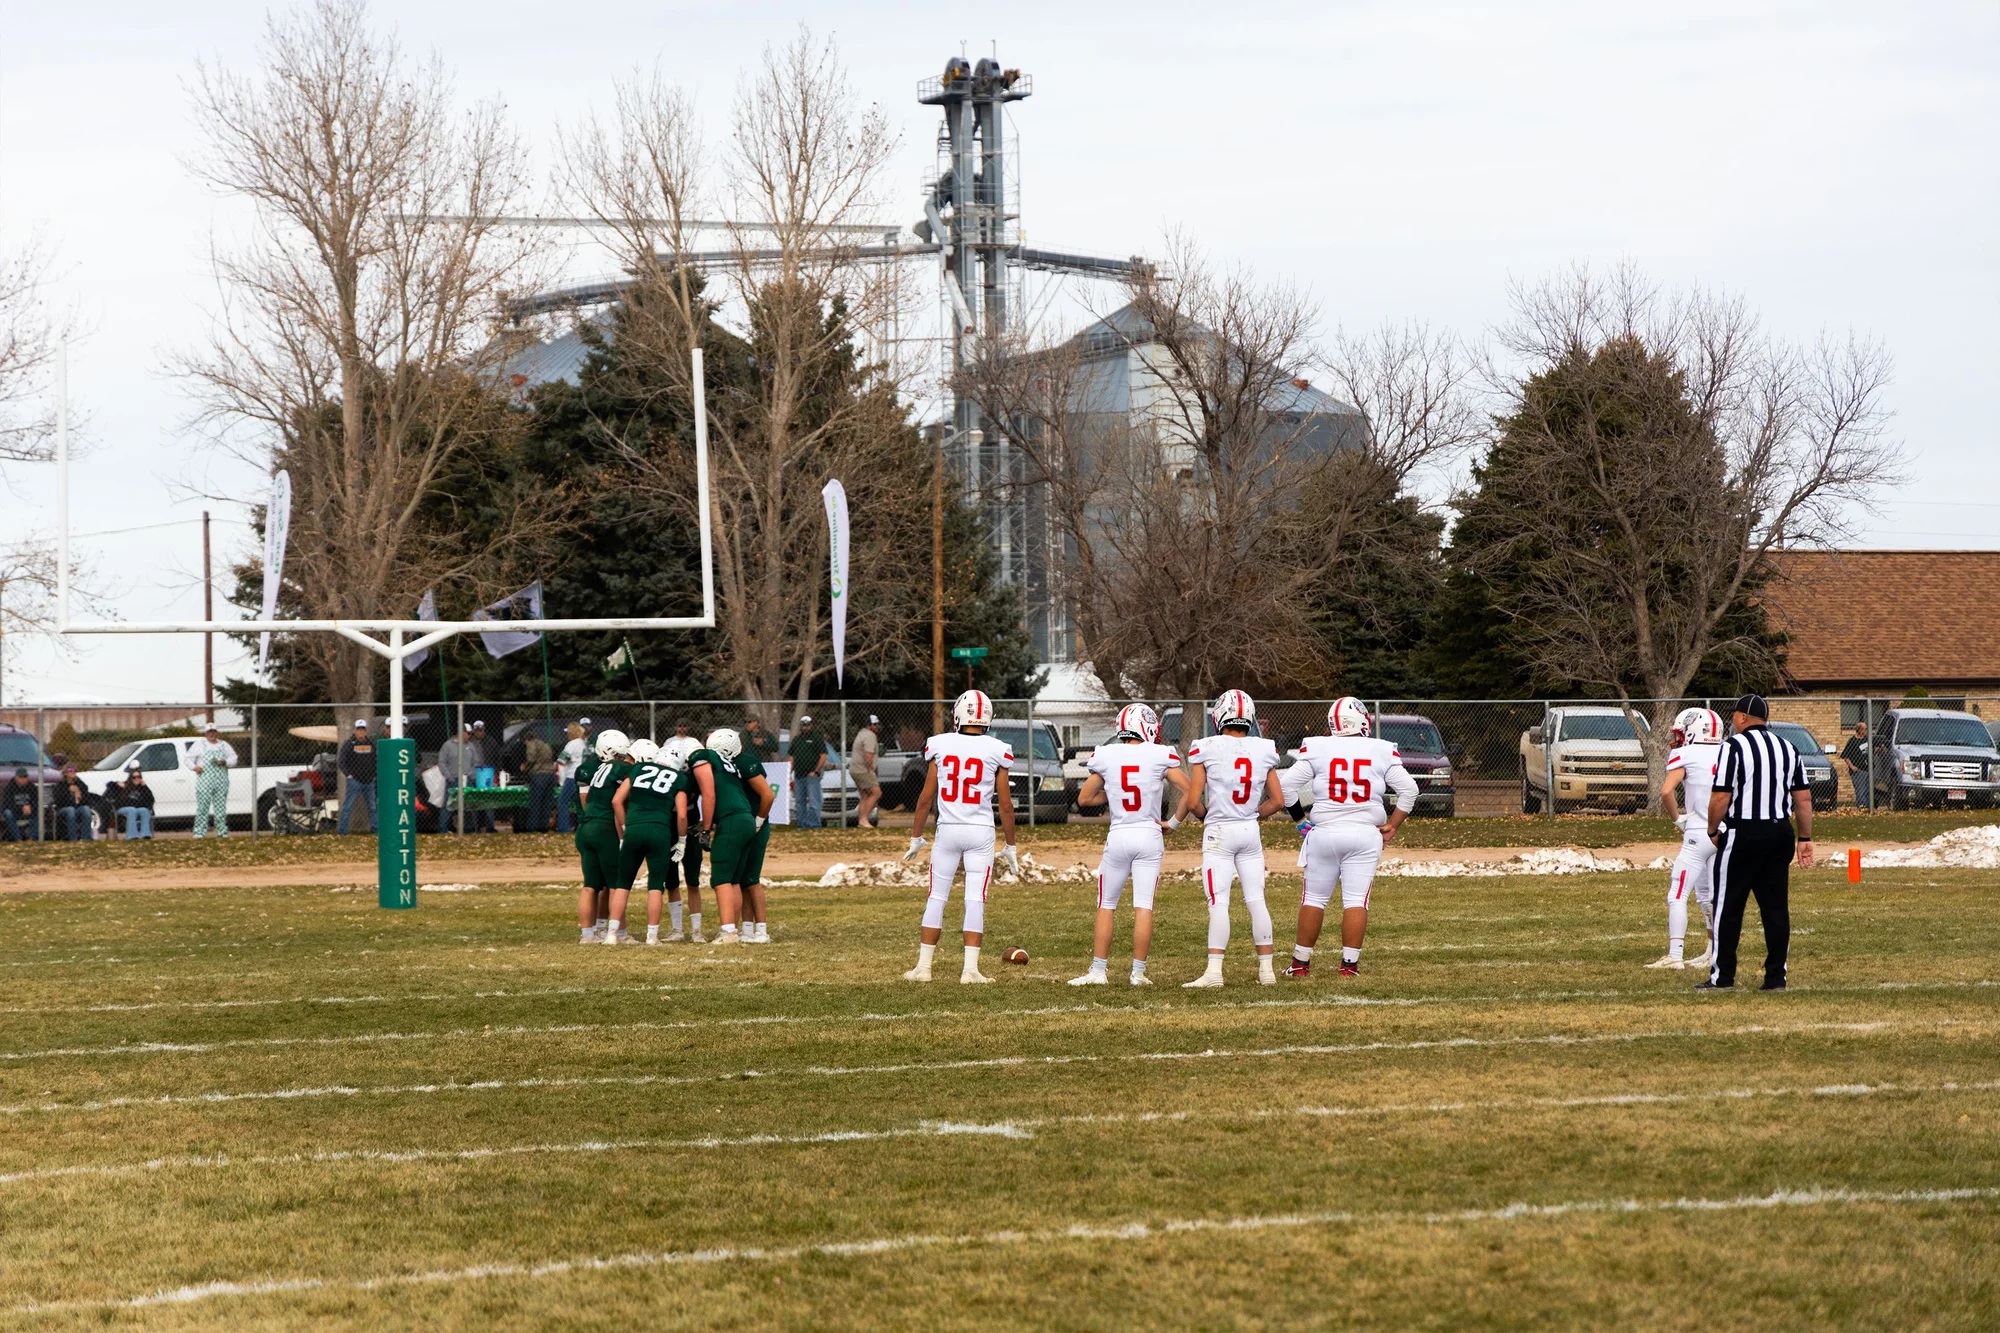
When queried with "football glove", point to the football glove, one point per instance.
{"points": [[1013, 859], [760, 823], [703, 841], [680, 850], [916, 845]]}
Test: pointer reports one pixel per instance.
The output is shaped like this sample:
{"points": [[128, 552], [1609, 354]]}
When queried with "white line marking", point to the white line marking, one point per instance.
{"points": [[1008, 1129], [1135, 1230], [945, 1066], [327, 999]]}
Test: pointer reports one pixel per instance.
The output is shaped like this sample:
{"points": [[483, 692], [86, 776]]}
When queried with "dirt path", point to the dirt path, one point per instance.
{"points": [[787, 866]]}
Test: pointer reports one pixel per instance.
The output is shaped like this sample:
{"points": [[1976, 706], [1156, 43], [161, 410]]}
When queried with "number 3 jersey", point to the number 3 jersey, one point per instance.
{"points": [[1133, 773], [967, 769], [1346, 775], [1236, 767]]}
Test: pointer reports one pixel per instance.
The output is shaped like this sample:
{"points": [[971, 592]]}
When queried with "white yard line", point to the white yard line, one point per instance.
{"points": [[1021, 1129], [1138, 1229], [945, 1066]]}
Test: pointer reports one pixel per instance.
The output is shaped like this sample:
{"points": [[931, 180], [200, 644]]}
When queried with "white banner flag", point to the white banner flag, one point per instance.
{"points": [[836, 527], [523, 605], [426, 610], [277, 528]]}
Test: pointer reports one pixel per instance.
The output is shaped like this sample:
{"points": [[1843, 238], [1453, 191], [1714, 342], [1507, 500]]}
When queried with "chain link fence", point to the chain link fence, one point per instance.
{"points": [[483, 771]]}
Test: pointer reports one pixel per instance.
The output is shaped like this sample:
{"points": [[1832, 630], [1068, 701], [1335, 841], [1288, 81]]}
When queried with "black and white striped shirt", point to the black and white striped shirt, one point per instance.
{"points": [[1760, 771]]}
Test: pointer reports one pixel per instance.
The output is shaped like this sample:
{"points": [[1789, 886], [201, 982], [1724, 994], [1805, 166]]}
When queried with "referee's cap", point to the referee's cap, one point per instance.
{"points": [[1754, 705]]}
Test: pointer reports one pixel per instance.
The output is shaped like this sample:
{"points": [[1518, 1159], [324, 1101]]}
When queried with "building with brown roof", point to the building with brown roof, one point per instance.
{"points": [[1878, 623]]}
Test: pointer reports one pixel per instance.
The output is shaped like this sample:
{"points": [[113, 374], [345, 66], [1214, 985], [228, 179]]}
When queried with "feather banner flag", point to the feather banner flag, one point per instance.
{"points": [[277, 528], [523, 605], [836, 528], [426, 610]]}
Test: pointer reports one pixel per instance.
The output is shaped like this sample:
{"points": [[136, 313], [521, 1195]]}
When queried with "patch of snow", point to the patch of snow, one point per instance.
{"points": [[1976, 848], [917, 873], [1540, 861]]}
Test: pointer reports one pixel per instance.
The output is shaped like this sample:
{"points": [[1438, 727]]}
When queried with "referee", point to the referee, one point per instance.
{"points": [[1760, 788]]}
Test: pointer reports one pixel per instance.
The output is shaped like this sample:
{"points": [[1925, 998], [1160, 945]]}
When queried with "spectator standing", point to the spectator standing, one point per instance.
{"points": [[213, 759], [75, 808], [808, 762], [17, 809], [134, 803], [539, 763], [357, 765], [456, 759], [862, 768], [1855, 755], [566, 765], [759, 741]]}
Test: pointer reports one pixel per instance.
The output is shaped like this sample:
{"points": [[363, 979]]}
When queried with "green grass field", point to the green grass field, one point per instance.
{"points": [[259, 1109]]}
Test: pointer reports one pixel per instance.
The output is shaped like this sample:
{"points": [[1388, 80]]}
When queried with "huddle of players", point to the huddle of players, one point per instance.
{"points": [[1232, 783], [662, 807]]}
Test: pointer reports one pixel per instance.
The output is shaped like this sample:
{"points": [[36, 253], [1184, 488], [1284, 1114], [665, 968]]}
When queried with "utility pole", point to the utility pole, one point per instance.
{"points": [[937, 588], [208, 614]]}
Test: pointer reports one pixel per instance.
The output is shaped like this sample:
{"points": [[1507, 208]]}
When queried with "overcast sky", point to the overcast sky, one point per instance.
{"points": [[1834, 163]]}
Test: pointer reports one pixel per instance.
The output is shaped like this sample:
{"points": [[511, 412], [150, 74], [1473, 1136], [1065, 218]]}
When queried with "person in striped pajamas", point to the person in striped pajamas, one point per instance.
{"points": [[1760, 789]]}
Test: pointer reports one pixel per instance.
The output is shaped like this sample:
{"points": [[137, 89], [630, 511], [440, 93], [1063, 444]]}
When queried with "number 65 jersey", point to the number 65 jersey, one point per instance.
{"points": [[1346, 775], [968, 768]]}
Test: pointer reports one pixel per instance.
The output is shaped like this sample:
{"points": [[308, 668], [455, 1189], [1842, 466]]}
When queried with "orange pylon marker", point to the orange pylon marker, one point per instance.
{"points": [[1853, 865]]}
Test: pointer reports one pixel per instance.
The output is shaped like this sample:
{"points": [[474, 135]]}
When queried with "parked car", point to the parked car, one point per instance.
{"points": [[1594, 755], [1934, 757], [168, 763], [1418, 740], [1819, 769], [20, 749]]}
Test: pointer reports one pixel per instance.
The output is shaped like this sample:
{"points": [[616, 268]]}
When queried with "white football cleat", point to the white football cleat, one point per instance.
{"points": [[1669, 961], [974, 979], [918, 973], [1141, 979], [728, 937], [1091, 979], [1206, 981], [1267, 976], [675, 938], [697, 938], [1704, 960]]}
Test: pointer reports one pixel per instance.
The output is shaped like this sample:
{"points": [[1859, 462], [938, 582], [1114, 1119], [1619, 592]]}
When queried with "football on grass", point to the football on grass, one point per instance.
{"points": [[1015, 955]]}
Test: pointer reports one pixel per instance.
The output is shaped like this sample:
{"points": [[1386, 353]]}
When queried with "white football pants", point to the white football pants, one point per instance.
{"points": [[1693, 874], [1131, 851], [1344, 852], [972, 844], [1234, 848]]}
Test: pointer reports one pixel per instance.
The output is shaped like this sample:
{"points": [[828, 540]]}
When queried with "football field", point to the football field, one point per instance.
{"points": [[259, 1108]]}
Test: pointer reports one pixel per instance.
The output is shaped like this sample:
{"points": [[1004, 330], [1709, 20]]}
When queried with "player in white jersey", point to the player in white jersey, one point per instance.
{"points": [[1233, 778], [1345, 772], [1129, 772], [965, 776], [1691, 778]]}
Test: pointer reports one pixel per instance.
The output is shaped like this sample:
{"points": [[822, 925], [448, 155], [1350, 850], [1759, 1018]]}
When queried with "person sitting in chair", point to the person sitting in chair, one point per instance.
{"points": [[133, 800]]}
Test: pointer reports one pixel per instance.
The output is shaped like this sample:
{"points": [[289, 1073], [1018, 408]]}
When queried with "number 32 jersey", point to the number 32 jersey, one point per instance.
{"points": [[968, 767], [1133, 773], [1346, 775], [1236, 767]]}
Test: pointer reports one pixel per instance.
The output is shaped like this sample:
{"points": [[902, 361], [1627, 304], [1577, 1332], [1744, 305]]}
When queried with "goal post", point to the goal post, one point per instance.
{"points": [[400, 639]]}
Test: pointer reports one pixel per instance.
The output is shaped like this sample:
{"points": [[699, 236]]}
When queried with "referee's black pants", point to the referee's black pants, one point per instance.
{"points": [[1754, 860]]}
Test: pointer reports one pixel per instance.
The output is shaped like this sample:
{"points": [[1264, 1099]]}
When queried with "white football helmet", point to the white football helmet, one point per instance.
{"points": [[972, 709], [612, 742], [1347, 717], [1684, 725], [1705, 728], [643, 751], [725, 742], [1141, 721], [676, 752], [1234, 708]]}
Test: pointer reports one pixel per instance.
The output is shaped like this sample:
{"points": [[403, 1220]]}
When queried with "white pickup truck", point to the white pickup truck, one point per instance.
{"points": [[168, 764], [1591, 754]]}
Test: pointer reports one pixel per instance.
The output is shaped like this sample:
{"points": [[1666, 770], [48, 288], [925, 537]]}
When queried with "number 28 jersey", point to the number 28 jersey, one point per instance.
{"points": [[1133, 773], [1346, 775], [1236, 767], [968, 767]]}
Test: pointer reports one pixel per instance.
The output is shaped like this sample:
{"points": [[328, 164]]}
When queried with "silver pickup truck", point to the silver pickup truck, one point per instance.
{"points": [[1591, 755]]}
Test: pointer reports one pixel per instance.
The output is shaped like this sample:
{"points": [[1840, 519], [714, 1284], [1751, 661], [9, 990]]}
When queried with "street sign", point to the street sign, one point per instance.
{"points": [[966, 654], [396, 823]]}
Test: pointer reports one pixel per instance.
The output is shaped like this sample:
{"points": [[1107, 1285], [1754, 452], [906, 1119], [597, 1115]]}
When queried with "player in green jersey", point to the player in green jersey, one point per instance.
{"points": [[734, 820], [597, 833], [643, 809], [686, 864]]}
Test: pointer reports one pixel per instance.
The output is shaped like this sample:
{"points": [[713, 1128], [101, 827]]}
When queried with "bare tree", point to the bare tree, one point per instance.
{"points": [[1195, 523], [780, 311], [1658, 448], [31, 333], [354, 345]]}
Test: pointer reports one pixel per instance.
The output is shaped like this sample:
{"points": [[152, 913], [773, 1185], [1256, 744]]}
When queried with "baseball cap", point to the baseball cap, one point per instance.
{"points": [[583, 722], [805, 721], [360, 721], [479, 726], [874, 721], [132, 768], [1754, 706], [211, 728]]}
